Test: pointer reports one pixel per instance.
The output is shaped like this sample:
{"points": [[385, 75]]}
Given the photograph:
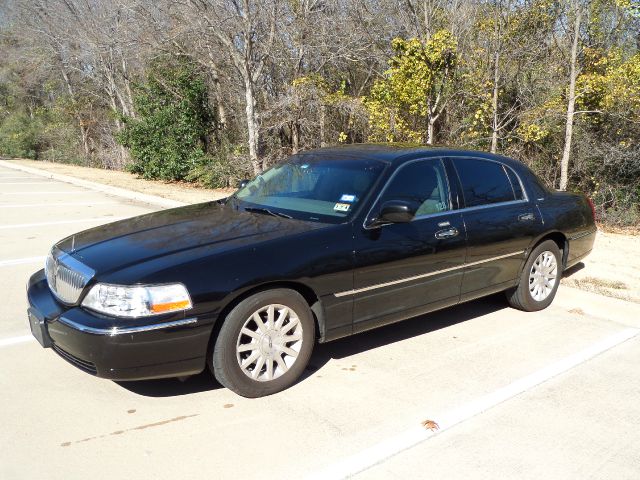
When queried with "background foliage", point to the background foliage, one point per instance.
{"points": [[212, 91], [167, 139]]}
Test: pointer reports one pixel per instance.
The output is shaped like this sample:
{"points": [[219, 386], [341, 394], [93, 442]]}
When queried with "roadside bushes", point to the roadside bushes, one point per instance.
{"points": [[171, 136], [43, 135], [18, 136], [167, 138]]}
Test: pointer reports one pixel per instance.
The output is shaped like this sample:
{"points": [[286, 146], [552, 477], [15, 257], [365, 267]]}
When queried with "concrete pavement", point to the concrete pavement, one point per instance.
{"points": [[58, 422]]}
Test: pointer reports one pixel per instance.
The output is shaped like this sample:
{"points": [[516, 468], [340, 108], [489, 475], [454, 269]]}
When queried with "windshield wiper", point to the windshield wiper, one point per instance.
{"points": [[266, 211]]}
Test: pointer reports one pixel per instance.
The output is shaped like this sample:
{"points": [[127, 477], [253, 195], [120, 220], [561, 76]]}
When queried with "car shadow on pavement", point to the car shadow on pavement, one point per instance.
{"points": [[173, 387], [338, 349], [403, 330]]}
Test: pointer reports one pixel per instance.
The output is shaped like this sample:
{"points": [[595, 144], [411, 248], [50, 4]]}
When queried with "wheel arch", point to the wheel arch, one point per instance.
{"points": [[307, 293], [560, 240]]}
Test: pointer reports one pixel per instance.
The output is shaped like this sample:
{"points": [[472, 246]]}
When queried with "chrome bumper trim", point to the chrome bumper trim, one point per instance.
{"points": [[125, 330], [425, 275], [583, 234]]}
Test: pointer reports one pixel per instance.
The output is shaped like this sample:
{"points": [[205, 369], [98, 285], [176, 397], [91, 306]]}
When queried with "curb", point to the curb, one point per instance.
{"points": [[99, 187]]}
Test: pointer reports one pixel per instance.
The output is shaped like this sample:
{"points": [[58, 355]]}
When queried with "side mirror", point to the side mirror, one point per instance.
{"points": [[395, 211], [243, 183]]}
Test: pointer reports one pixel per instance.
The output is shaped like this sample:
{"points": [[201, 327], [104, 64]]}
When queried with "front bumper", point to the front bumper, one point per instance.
{"points": [[117, 349]]}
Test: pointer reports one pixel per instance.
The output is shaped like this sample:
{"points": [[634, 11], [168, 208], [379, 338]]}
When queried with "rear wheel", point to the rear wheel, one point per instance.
{"points": [[264, 343], [539, 279]]}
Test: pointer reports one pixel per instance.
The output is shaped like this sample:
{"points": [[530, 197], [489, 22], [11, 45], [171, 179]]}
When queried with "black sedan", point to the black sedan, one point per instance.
{"points": [[330, 243]]}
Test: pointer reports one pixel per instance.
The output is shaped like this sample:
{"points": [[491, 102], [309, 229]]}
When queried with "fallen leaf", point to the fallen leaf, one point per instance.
{"points": [[431, 425]]}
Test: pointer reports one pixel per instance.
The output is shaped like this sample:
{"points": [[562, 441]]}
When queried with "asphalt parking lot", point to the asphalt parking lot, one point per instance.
{"points": [[553, 394]]}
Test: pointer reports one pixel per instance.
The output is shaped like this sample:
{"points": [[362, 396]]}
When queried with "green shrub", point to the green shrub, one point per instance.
{"points": [[167, 139], [223, 168], [19, 136]]}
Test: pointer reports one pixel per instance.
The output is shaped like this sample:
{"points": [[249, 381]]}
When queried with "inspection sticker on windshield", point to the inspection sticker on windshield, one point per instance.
{"points": [[348, 198], [342, 207]]}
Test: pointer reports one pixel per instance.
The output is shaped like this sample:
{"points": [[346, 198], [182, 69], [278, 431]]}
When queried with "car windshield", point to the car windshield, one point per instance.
{"points": [[311, 187]]}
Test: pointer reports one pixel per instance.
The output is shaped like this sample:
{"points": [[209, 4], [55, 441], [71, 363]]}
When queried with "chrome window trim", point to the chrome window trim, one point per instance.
{"points": [[505, 167], [393, 175], [431, 215], [425, 275], [125, 330], [491, 205], [462, 210]]}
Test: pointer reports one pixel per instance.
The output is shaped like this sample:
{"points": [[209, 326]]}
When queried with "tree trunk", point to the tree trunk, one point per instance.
{"points": [[127, 86], [571, 103], [220, 111], [295, 138], [323, 112], [85, 138], [427, 10], [252, 124], [119, 126], [494, 103], [430, 130], [83, 129]]}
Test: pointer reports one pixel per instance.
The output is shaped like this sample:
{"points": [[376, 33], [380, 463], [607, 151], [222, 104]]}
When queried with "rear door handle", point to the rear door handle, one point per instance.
{"points": [[447, 233], [526, 217]]}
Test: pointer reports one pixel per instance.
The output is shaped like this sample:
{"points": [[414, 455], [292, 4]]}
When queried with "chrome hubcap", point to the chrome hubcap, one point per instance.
{"points": [[542, 277], [269, 342]]}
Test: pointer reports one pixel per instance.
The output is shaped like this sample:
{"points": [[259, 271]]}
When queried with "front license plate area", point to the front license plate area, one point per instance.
{"points": [[39, 328]]}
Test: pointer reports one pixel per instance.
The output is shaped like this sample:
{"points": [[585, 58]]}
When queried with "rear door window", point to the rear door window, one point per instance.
{"points": [[483, 182]]}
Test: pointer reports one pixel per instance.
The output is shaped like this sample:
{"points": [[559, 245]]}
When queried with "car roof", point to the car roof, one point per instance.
{"points": [[400, 152]]}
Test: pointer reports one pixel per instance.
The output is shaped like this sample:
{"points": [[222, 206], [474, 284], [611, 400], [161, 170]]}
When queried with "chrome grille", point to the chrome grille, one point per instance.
{"points": [[66, 276]]}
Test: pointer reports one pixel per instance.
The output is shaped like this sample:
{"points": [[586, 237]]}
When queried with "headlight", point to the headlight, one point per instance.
{"points": [[137, 300]]}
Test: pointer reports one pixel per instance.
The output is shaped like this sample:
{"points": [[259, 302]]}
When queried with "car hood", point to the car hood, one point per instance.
{"points": [[208, 227]]}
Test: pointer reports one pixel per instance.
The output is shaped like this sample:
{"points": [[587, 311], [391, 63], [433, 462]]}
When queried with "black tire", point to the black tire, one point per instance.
{"points": [[224, 361], [521, 297]]}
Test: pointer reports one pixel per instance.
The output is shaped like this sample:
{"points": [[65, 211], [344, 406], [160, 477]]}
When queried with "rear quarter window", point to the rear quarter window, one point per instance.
{"points": [[484, 182], [515, 183]]}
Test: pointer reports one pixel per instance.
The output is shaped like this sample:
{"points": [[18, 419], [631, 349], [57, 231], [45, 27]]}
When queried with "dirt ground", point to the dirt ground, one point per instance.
{"points": [[181, 192], [612, 269]]}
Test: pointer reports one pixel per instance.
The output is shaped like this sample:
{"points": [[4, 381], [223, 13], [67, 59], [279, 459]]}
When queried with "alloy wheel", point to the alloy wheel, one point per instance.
{"points": [[543, 276], [269, 342]]}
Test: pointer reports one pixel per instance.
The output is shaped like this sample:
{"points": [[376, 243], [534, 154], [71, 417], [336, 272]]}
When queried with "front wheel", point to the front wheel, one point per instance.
{"points": [[539, 279], [264, 344]]}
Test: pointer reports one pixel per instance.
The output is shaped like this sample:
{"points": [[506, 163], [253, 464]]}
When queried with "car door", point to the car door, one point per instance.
{"points": [[501, 223], [405, 269]]}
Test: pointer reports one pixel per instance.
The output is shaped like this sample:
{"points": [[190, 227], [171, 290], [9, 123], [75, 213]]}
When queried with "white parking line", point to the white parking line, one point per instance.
{"points": [[20, 261], [70, 204], [61, 192], [386, 449], [2, 177], [60, 222], [6, 342], [26, 183]]}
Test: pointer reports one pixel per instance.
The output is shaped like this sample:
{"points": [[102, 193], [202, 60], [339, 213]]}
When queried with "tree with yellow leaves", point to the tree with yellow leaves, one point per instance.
{"points": [[407, 102]]}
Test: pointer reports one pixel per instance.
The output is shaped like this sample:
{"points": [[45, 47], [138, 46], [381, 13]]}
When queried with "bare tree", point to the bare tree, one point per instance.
{"points": [[246, 30], [576, 11]]}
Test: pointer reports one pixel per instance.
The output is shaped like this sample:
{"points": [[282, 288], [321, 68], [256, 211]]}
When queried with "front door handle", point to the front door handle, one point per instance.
{"points": [[447, 233], [526, 217]]}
